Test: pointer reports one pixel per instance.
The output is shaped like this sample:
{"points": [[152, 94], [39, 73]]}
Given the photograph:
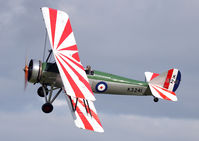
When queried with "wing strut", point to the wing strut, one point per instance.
{"points": [[50, 52], [50, 99], [76, 104], [86, 105]]}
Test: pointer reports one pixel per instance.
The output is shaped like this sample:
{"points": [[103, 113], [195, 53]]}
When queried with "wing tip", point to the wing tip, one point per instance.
{"points": [[47, 8], [99, 129], [43, 8]]}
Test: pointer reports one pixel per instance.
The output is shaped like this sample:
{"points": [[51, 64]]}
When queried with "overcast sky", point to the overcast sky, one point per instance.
{"points": [[123, 37]]}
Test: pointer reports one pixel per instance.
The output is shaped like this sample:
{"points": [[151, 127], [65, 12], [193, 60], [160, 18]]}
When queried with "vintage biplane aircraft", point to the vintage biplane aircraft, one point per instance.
{"points": [[78, 83]]}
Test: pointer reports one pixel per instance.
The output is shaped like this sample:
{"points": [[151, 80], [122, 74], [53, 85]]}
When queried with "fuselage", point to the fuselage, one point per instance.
{"points": [[100, 82]]}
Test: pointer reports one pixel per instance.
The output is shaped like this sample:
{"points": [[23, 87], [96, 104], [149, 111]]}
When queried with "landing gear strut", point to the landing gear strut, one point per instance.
{"points": [[49, 99], [155, 99]]}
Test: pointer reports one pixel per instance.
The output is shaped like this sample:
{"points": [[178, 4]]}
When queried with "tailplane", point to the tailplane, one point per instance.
{"points": [[165, 84]]}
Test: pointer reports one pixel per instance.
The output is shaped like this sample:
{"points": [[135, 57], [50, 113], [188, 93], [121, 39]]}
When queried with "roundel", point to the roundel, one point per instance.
{"points": [[101, 87]]}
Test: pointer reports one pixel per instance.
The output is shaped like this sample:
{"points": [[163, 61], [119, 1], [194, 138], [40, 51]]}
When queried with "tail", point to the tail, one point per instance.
{"points": [[164, 85]]}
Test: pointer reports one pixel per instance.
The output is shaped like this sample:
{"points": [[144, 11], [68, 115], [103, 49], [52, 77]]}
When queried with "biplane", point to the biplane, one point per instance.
{"points": [[79, 84]]}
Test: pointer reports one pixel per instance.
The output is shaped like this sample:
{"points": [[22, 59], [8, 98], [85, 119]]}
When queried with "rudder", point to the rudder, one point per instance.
{"points": [[169, 80]]}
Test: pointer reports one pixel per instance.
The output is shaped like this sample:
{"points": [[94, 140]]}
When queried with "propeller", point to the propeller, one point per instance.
{"points": [[28, 69], [26, 73]]}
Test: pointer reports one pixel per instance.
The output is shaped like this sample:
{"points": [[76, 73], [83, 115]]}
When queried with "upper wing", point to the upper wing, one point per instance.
{"points": [[66, 54], [76, 84]]}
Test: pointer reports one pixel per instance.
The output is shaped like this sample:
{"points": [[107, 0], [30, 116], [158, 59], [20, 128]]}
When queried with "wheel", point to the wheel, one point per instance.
{"points": [[155, 99], [47, 108], [40, 91]]}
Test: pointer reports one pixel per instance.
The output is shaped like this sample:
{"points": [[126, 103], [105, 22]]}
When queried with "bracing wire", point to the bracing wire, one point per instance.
{"points": [[44, 51]]}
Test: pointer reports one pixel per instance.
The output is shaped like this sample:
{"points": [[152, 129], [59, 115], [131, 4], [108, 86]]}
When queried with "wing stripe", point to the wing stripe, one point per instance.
{"points": [[74, 47], [69, 41], [67, 31], [80, 66], [76, 56], [84, 120], [86, 83], [53, 18], [75, 88]]}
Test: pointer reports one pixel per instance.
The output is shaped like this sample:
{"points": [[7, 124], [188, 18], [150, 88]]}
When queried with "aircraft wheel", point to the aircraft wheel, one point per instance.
{"points": [[155, 99], [47, 108], [40, 91]]}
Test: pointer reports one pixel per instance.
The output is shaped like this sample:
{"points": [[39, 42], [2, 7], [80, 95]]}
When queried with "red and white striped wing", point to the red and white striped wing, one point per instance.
{"points": [[162, 93], [66, 54], [83, 117]]}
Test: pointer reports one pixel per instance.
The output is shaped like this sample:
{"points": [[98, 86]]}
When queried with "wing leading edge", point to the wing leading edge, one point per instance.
{"points": [[75, 81]]}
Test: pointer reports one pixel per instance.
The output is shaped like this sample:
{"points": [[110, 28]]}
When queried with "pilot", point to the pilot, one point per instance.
{"points": [[88, 70]]}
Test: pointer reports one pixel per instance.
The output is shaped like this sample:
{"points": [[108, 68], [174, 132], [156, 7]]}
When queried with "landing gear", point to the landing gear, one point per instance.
{"points": [[155, 99], [41, 92], [47, 107], [49, 98]]}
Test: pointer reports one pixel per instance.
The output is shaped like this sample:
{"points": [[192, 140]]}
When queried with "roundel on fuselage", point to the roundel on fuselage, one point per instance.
{"points": [[101, 87]]}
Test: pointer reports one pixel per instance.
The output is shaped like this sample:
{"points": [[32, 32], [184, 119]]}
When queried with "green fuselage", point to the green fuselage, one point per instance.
{"points": [[101, 82]]}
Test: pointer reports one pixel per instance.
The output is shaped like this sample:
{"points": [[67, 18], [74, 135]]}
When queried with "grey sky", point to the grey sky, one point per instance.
{"points": [[123, 37]]}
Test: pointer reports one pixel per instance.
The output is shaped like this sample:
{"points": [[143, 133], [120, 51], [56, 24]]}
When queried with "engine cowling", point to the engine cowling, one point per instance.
{"points": [[34, 71]]}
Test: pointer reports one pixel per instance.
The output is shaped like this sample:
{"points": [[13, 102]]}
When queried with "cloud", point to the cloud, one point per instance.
{"points": [[8, 12], [149, 128], [38, 126], [59, 103], [121, 37]]}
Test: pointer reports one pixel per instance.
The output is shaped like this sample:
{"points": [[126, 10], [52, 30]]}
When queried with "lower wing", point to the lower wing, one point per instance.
{"points": [[84, 114]]}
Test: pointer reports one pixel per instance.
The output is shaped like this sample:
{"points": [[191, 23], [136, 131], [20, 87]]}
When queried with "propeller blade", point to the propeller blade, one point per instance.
{"points": [[26, 73]]}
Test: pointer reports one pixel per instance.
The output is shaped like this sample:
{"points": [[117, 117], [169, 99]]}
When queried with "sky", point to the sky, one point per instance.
{"points": [[123, 37]]}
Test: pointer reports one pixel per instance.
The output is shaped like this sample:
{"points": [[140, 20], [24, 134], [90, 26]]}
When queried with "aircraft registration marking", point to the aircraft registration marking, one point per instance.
{"points": [[135, 90]]}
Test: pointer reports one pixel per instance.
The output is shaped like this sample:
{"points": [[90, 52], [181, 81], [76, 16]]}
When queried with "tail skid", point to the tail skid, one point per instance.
{"points": [[164, 85]]}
